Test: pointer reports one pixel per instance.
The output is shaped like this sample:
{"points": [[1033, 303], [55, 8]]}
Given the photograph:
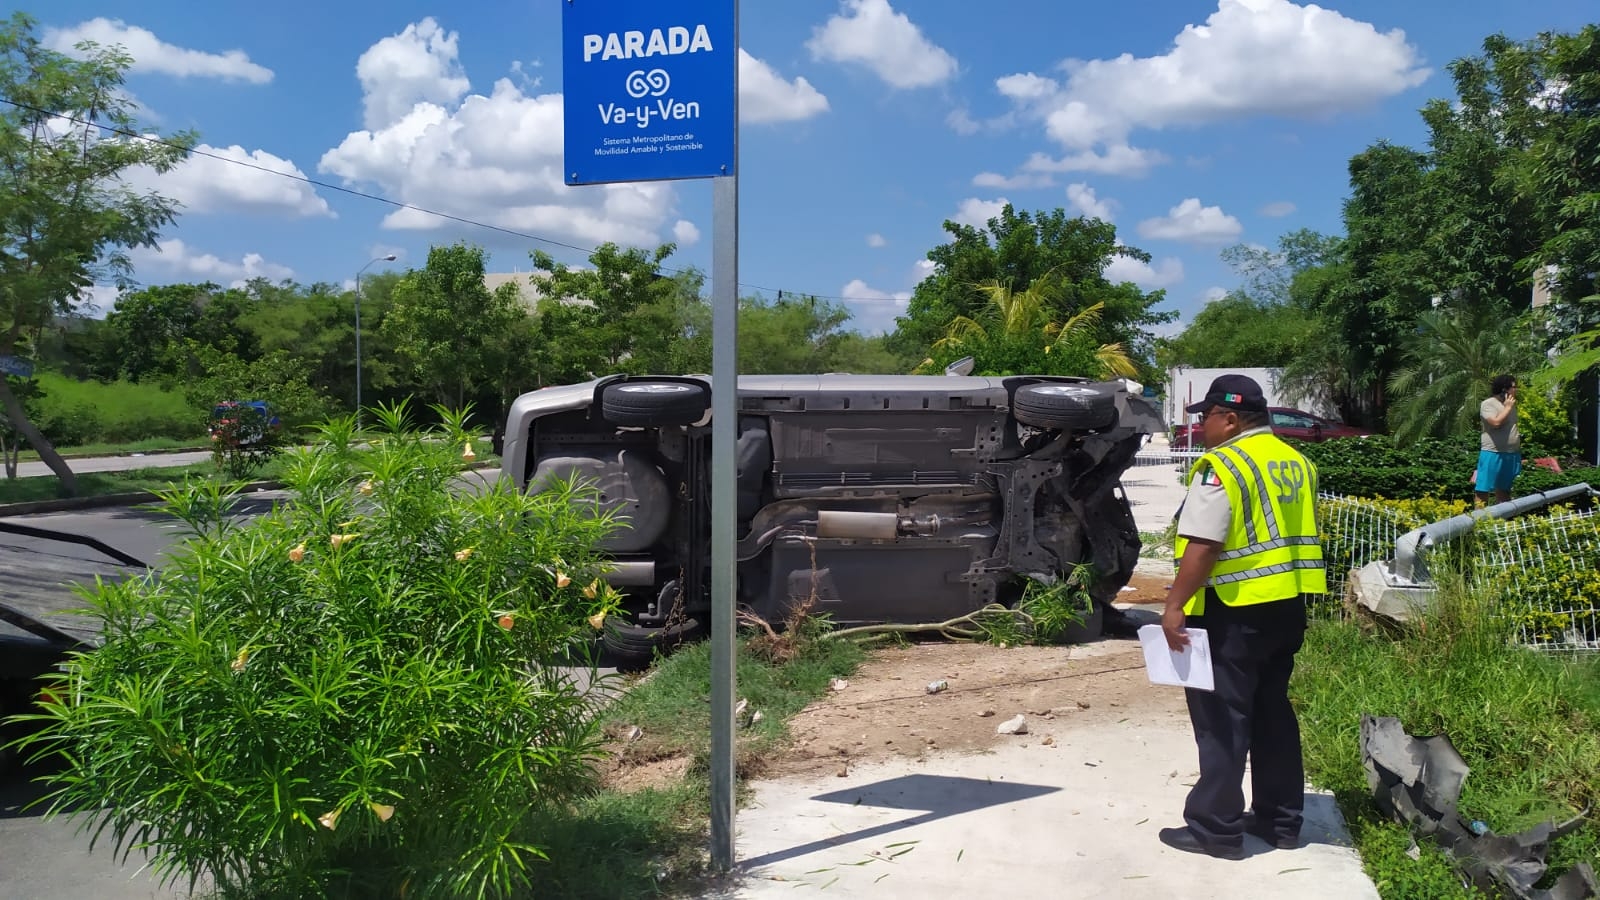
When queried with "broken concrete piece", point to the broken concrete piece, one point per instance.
{"points": [[838, 684], [1018, 725]]}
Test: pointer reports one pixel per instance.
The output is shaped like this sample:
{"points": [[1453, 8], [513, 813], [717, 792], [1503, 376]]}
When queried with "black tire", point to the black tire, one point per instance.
{"points": [[654, 403], [1075, 407], [634, 647]]}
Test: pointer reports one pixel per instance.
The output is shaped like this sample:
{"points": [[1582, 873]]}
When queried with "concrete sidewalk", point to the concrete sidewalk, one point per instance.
{"points": [[1076, 817]]}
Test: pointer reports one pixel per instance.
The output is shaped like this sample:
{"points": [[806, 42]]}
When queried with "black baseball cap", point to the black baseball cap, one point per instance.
{"points": [[1234, 392]]}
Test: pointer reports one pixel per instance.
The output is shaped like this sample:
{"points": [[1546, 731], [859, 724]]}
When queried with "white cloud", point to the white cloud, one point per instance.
{"points": [[178, 258], [1162, 275], [1251, 57], [1193, 223], [873, 311], [961, 121], [1119, 159], [1213, 294], [871, 33], [685, 234], [1278, 210], [151, 54], [922, 269], [1083, 199], [1023, 181], [418, 65], [495, 159], [876, 241], [977, 213], [97, 299], [208, 184], [765, 97]]}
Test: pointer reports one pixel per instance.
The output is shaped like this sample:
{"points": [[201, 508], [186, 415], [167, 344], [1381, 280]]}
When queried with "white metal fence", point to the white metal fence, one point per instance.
{"points": [[1540, 572]]}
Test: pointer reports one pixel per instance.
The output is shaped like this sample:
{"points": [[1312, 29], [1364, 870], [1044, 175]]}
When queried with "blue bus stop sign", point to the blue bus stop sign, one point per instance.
{"points": [[648, 89]]}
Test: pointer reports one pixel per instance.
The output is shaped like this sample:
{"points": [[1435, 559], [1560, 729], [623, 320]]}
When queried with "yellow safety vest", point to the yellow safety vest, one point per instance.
{"points": [[1272, 551]]}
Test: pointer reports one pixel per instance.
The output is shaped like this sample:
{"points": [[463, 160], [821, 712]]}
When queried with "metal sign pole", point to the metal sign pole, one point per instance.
{"points": [[650, 92], [724, 507]]}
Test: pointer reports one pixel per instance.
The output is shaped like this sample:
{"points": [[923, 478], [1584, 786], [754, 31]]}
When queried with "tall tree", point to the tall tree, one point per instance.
{"points": [[1066, 258], [1449, 364], [68, 218], [792, 334], [622, 315], [1015, 334], [449, 327]]}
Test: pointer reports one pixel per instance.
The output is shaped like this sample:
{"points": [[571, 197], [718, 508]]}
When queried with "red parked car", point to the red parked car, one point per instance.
{"points": [[1291, 424]]}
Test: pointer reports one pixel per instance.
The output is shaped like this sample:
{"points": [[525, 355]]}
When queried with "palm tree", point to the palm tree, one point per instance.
{"points": [[1012, 334], [1447, 371]]}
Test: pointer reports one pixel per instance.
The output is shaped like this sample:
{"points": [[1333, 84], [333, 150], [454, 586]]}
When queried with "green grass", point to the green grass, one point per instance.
{"points": [[1528, 725], [93, 412], [652, 841], [100, 484]]}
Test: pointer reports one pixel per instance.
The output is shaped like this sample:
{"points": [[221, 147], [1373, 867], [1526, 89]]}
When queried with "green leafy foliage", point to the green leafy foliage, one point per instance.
{"points": [[449, 327], [357, 694], [1064, 258], [1448, 366], [70, 217], [1376, 467]]}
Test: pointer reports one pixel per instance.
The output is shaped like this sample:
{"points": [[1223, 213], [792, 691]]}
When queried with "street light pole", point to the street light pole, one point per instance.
{"points": [[388, 258]]}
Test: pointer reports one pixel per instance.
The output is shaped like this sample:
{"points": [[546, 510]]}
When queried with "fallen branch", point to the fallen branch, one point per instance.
{"points": [[961, 628]]}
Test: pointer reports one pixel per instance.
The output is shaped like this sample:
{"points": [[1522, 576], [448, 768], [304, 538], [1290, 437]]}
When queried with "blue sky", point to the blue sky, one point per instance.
{"points": [[865, 124]]}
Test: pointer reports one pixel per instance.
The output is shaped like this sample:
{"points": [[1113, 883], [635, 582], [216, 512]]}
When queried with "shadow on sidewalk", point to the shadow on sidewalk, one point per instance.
{"points": [[939, 795]]}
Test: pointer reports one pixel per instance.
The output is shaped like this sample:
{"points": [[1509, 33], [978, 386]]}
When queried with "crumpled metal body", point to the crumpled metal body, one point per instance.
{"points": [[1418, 781]]}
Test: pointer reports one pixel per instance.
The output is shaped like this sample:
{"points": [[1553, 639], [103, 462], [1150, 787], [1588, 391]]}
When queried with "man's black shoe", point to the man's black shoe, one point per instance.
{"points": [[1263, 830], [1185, 840]]}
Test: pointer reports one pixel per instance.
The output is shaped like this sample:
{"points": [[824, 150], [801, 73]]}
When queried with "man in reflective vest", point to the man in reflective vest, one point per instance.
{"points": [[1248, 552]]}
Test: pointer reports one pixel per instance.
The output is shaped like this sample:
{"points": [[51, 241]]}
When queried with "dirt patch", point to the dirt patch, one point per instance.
{"points": [[885, 710]]}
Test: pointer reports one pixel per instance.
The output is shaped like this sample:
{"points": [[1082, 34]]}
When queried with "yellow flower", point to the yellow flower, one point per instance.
{"points": [[383, 811], [506, 621], [561, 579], [338, 539], [365, 487], [597, 620], [593, 589], [329, 819], [463, 554], [467, 454], [241, 659], [298, 552]]}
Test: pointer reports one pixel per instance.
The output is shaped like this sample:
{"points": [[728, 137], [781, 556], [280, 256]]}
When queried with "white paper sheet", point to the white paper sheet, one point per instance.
{"points": [[1190, 669]]}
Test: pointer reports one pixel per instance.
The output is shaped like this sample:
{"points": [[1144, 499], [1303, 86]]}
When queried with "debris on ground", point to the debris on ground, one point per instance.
{"points": [[1417, 781], [1018, 725]]}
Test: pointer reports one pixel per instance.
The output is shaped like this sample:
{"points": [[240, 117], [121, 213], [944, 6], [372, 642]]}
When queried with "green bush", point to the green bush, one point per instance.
{"points": [[354, 695], [1376, 467]]}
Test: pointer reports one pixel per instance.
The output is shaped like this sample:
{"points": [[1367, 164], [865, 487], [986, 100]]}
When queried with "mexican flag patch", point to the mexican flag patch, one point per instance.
{"points": [[1210, 478]]}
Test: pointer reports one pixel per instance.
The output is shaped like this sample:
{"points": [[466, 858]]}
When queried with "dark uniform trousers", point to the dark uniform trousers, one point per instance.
{"points": [[1247, 715]]}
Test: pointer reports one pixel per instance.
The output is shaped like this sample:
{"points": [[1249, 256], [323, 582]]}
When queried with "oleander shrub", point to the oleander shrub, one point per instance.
{"points": [[359, 694]]}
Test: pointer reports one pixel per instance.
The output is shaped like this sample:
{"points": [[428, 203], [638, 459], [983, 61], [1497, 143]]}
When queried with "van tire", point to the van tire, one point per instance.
{"points": [[648, 403], [1071, 407]]}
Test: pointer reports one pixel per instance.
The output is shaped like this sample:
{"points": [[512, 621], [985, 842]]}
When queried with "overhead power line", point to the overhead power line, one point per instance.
{"points": [[398, 204]]}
